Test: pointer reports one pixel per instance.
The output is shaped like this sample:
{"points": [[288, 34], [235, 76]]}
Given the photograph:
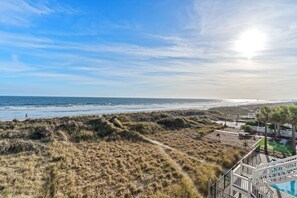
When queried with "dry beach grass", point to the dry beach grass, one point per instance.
{"points": [[108, 156]]}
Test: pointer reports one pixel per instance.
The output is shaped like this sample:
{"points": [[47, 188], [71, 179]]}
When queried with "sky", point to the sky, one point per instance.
{"points": [[149, 48]]}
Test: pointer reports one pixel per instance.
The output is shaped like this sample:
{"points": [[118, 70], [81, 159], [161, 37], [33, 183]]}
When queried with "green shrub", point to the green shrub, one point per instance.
{"points": [[271, 126], [247, 128], [255, 123], [245, 144]]}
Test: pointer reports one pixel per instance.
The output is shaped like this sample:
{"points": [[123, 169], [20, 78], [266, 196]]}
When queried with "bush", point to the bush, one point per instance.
{"points": [[7, 125], [271, 126], [245, 144], [247, 128], [69, 126], [15, 146], [41, 132], [15, 121], [174, 123], [144, 127], [102, 127], [255, 123]]}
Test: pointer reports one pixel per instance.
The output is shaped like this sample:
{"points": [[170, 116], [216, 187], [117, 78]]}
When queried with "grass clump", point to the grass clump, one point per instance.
{"points": [[144, 127], [84, 135], [116, 122], [102, 127], [174, 123], [15, 146], [41, 132]]}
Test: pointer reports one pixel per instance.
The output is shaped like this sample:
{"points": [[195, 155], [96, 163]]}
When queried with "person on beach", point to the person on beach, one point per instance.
{"points": [[26, 115]]}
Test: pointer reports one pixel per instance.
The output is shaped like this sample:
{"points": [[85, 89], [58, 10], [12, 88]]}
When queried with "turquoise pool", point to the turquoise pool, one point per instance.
{"points": [[288, 187]]}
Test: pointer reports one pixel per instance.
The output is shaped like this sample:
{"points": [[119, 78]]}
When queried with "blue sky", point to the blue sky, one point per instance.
{"points": [[147, 48]]}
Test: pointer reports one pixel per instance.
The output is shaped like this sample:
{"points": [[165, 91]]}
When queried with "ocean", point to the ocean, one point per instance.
{"points": [[16, 107]]}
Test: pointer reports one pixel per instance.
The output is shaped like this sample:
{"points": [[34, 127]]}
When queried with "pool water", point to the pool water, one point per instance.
{"points": [[288, 187]]}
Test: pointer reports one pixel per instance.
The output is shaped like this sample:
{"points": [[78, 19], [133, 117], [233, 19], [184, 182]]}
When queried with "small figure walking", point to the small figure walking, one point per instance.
{"points": [[26, 115]]}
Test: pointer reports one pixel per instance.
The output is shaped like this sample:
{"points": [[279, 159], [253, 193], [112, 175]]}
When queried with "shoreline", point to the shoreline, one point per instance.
{"points": [[222, 109], [43, 107]]}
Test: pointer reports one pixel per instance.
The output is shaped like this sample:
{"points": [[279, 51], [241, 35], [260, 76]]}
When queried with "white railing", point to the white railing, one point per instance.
{"points": [[253, 181], [279, 171], [276, 162], [243, 182], [245, 185], [261, 190], [247, 170]]}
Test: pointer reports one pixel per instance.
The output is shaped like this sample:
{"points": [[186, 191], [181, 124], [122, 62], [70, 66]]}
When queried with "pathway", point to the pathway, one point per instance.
{"points": [[176, 165]]}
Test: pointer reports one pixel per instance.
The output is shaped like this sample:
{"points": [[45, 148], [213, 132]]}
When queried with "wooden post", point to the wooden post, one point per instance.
{"points": [[241, 166], [231, 182], [250, 187]]}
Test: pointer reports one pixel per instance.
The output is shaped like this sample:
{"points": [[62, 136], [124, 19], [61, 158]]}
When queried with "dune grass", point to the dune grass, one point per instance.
{"points": [[105, 156], [98, 169], [202, 148]]}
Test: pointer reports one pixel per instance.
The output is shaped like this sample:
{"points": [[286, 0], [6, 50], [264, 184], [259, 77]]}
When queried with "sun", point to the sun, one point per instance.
{"points": [[250, 43]]}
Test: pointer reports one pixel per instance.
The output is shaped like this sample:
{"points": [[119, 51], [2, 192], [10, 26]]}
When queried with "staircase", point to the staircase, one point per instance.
{"points": [[254, 181], [251, 177], [243, 183]]}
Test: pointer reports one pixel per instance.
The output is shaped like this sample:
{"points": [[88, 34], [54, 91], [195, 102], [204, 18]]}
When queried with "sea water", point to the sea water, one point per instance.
{"points": [[17, 107]]}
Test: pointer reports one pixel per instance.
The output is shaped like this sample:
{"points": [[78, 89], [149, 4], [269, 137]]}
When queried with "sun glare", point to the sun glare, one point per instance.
{"points": [[250, 43]]}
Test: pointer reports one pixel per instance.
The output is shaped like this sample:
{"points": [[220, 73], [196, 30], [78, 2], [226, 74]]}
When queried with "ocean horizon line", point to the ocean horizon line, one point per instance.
{"points": [[141, 97]]}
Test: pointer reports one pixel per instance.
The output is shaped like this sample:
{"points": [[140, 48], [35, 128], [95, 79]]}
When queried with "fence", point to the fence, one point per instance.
{"points": [[221, 188], [284, 133]]}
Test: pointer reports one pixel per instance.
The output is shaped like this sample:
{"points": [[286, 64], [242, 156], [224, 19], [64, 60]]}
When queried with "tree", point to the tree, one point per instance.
{"points": [[292, 112], [276, 120], [265, 116], [284, 117]]}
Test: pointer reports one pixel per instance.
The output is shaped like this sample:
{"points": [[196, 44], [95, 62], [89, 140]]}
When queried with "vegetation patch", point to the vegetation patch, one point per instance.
{"points": [[144, 127], [247, 128], [174, 123], [15, 146], [201, 148], [200, 172], [275, 146], [108, 156]]}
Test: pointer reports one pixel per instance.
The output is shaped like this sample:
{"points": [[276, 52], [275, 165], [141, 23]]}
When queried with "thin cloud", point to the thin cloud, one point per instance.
{"points": [[21, 12], [195, 60]]}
